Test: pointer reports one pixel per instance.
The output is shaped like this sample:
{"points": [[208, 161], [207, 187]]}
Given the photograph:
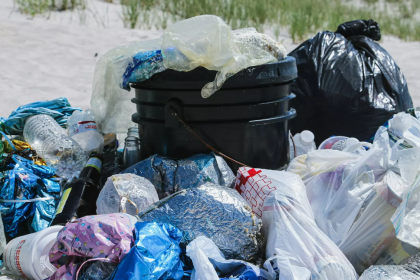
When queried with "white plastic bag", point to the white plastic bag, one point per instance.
{"points": [[354, 203], [296, 248], [126, 193], [207, 258], [405, 126]]}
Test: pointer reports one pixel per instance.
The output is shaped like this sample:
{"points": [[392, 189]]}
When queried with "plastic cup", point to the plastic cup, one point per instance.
{"points": [[28, 255]]}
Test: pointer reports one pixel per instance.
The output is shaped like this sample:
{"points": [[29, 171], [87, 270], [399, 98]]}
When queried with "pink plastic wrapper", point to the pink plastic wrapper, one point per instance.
{"points": [[107, 236]]}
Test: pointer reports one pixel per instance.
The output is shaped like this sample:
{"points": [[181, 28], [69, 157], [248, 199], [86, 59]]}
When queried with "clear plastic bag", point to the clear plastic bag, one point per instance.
{"points": [[185, 46], [126, 193], [110, 103]]}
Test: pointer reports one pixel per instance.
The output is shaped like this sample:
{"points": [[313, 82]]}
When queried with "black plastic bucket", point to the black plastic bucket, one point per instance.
{"points": [[247, 119]]}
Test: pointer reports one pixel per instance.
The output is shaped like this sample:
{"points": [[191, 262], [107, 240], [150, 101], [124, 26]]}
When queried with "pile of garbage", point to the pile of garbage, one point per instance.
{"points": [[78, 201]]}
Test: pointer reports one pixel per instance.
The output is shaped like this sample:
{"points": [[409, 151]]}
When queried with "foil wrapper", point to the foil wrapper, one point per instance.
{"points": [[216, 212], [169, 176]]}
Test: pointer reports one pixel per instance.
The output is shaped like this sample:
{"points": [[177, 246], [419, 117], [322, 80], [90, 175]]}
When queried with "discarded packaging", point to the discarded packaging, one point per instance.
{"points": [[296, 248], [103, 237], [59, 109], [29, 194], [28, 255], [155, 254], [99, 271], [408, 270], [169, 176], [216, 212], [126, 193], [81, 127], [51, 142]]}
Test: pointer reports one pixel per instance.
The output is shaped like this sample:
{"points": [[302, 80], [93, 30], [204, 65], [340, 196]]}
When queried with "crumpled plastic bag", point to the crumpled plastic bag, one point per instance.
{"points": [[205, 41], [126, 193], [103, 236], [155, 254], [210, 263], [353, 204], [28, 194], [169, 176], [404, 126], [296, 248], [60, 109], [216, 212]]}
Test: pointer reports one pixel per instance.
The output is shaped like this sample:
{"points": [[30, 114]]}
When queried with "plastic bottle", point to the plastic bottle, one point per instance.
{"points": [[304, 143], [131, 151], [28, 255], [79, 197], [50, 141], [81, 127]]}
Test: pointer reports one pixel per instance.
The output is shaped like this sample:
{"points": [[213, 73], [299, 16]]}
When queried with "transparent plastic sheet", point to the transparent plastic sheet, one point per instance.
{"points": [[216, 212], [405, 126], [185, 46], [99, 271], [296, 248], [59, 109], [29, 195], [110, 103], [126, 193], [101, 236], [205, 41], [169, 176], [347, 81], [210, 264], [155, 254], [371, 187]]}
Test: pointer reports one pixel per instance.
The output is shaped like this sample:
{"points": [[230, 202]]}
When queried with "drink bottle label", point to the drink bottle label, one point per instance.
{"points": [[95, 163], [82, 126], [63, 201]]}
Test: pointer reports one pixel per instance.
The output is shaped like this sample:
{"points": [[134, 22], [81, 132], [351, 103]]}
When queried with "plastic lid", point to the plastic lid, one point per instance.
{"points": [[306, 137]]}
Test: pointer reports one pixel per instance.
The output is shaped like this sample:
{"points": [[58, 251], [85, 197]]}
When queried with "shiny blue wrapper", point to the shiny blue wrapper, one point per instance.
{"points": [[155, 255], [60, 109], [28, 181], [169, 176]]}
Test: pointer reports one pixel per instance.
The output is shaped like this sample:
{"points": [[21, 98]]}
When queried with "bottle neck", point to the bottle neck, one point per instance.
{"points": [[92, 170]]}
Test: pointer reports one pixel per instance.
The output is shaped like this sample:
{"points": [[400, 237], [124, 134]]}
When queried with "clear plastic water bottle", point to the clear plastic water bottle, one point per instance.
{"points": [[81, 127], [50, 141], [304, 143]]}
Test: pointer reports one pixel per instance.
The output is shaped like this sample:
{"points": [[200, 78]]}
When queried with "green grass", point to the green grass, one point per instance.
{"points": [[301, 18]]}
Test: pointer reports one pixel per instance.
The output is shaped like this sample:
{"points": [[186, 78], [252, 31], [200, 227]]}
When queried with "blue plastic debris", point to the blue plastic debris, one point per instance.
{"points": [[155, 255]]}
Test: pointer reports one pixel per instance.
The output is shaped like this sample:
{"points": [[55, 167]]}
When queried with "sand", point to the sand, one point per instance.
{"points": [[45, 58]]}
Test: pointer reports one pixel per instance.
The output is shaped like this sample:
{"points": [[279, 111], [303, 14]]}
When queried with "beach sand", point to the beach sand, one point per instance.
{"points": [[45, 58]]}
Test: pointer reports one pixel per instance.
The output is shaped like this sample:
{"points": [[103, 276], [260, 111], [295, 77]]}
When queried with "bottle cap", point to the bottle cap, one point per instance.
{"points": [[306, 137]]}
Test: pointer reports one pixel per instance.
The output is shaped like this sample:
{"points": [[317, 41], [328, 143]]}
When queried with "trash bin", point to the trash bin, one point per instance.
{"points": [[246, 120]]}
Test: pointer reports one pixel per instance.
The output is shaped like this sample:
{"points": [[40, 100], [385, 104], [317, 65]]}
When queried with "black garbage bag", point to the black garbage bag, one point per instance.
{"points": [[348, 85]]}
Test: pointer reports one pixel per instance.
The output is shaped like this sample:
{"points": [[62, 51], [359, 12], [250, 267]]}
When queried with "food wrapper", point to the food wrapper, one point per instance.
{"points": [[216, 212], [28, 192], [169, 176], [155, 255], [102, 236]]}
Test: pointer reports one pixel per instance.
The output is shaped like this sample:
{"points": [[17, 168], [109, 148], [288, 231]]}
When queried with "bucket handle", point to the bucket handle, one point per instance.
{"points": [[174, 113]]}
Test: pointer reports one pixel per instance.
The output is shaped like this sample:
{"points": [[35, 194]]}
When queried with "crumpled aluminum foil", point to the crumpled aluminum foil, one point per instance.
{"points": [[216, 212], [169, 176]]}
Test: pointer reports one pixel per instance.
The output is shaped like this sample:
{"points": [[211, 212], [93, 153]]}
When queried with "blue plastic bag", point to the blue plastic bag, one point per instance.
{"points": [[155, 255], [60, 109], [28, 192]]}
